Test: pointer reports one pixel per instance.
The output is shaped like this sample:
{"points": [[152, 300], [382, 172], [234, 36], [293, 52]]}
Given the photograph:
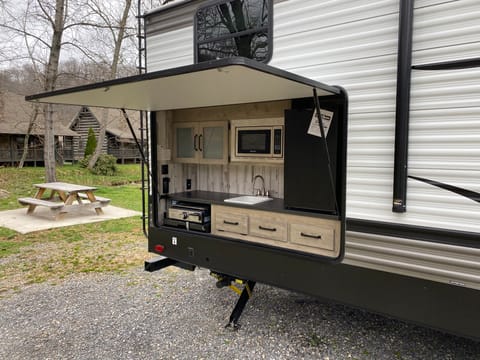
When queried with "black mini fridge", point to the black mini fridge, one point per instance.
{"points": [[310, 183]]}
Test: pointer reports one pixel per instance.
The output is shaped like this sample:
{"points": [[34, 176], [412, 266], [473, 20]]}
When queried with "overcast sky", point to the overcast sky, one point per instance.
{"points": [[16, 49]]}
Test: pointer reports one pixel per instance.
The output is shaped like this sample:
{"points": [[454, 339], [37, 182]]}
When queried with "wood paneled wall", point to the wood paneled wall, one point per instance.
{"points": [[235, 179], [231, 178], [232, 112]]}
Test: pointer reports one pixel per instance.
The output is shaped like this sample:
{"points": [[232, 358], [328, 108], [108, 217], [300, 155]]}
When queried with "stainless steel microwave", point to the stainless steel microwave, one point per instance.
{"points": [[257, 140]]}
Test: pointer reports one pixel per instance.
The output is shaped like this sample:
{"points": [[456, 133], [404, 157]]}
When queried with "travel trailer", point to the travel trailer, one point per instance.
{"points": [[365, 191]]}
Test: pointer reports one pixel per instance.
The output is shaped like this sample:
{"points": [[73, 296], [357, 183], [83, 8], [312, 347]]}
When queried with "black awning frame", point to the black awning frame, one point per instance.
{"points": [[183, 74]]}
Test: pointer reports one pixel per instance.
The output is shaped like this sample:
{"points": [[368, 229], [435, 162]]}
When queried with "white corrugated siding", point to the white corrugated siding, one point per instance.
{"points": [[354, 45], [439, 262], [170, 38], [445, 115], [171, 49]]}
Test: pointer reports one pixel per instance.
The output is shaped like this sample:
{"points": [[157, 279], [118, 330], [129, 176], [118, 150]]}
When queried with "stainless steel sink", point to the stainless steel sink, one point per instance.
{"points": [[248, 199]]}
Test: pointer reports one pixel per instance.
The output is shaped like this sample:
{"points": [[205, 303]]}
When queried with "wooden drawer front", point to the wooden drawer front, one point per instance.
{"points": [[266, 228], [234, 223], [312, 235]]}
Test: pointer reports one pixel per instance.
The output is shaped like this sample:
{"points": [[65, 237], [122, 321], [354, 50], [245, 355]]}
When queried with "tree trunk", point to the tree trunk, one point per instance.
{"points": [[50, 79], [49, 145], [31, 124], [113, 73]]}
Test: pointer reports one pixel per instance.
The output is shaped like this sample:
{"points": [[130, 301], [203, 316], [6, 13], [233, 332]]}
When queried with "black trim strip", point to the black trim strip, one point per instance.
{"points": [[444, 236], [450, 65], [402, 111], [153, 193], [472, 195]]}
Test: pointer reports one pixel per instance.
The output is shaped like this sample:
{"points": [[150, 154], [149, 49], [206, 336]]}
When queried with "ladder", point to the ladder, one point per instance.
{"points": [[144, 130]]}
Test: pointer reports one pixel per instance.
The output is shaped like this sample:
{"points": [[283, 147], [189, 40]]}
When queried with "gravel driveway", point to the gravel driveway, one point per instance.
{"points": [[175, 314]]}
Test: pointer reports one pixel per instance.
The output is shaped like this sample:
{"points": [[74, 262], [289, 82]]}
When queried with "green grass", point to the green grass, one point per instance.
{"points": [[52, 255], [8, 248], [17, 183], [126, 196], [7, 233]]}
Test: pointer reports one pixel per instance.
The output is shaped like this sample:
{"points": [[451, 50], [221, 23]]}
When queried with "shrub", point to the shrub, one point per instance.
{"points": [[91, 143], [105, 165], [84, 162]]}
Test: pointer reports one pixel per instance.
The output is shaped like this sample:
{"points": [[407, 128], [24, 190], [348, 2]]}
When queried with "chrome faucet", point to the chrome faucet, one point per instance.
{"points": [[259, 192]]}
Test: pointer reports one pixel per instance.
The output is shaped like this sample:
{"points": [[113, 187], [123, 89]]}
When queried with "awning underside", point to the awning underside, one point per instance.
{"points": [[224, 82]]}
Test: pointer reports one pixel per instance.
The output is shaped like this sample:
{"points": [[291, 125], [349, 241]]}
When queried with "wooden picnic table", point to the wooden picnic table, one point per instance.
{"points": [[67, 194]]}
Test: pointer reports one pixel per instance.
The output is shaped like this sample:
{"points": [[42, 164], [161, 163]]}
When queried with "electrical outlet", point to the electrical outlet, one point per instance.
{"points": [[189, 184], [165, 169]]}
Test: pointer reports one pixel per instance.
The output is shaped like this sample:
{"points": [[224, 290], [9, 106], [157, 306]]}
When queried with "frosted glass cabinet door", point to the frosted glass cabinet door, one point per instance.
{"points": [[212, 143], [185, 147], [201, 142]]}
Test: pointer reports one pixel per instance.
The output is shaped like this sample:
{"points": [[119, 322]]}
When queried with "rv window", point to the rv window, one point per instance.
{"points": [[234, 28]]}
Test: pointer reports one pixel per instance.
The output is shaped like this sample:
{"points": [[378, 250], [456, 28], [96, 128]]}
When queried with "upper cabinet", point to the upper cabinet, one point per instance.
{"points": [[201, 142]]}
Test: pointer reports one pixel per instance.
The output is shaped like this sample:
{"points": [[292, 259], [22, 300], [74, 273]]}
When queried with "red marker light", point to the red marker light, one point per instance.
{"points": [[159, 248]]}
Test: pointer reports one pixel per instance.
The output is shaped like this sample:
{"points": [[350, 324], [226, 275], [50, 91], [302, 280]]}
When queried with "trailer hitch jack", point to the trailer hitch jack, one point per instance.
{"points": [[245, 295]]}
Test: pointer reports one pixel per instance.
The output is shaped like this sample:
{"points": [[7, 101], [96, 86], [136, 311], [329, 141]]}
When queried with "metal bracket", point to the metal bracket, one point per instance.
{"points": [[162, 262]]}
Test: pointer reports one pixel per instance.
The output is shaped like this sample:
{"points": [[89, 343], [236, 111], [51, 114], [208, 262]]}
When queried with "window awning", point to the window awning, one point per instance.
{"points": [[220, 82]]}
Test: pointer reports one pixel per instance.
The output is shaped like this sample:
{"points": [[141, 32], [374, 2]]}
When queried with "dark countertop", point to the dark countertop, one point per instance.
{"points": [[213, 197]]}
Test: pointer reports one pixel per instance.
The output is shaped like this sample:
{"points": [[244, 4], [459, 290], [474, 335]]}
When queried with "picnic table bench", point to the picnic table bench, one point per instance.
{"points": [[71, 197]]}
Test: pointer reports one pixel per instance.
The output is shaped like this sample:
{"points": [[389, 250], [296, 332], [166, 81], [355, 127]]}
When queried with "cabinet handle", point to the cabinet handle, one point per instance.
{"points": [[266, 228], [200, 142], [230, 222], [311, 236], [195, 142]]}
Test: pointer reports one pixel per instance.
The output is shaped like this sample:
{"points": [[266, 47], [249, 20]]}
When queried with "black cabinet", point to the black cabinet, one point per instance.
{"points": [[307, 175]]}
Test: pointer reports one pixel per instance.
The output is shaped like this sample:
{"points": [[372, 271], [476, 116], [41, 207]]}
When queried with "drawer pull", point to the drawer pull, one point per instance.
{"points": [[311, 236], [230, 222], [266, 228]]}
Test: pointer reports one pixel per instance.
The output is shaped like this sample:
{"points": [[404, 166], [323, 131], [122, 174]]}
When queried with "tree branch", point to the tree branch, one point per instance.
{"points": [[47, 15], [24, 32]]}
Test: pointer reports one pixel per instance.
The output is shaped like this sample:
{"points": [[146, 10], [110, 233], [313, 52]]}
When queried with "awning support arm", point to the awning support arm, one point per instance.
{"points": [[144, 162], [325, 146], [140, 148]]}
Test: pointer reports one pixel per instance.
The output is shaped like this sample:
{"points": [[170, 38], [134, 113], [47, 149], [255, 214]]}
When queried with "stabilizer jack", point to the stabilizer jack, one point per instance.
{"points": [[245, 295]]}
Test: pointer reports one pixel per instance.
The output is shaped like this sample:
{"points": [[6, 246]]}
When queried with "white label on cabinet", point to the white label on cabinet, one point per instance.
{"points": [[314, 128]]}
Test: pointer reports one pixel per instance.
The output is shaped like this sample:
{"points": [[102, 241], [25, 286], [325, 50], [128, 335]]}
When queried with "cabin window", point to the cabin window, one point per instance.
{"points": [[234, 28]]}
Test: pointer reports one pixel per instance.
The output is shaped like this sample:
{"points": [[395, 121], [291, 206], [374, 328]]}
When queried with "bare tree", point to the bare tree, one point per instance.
{"points": [[117, 29], [33, 27], [45, 27], [31, 124], [58, 26]]}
